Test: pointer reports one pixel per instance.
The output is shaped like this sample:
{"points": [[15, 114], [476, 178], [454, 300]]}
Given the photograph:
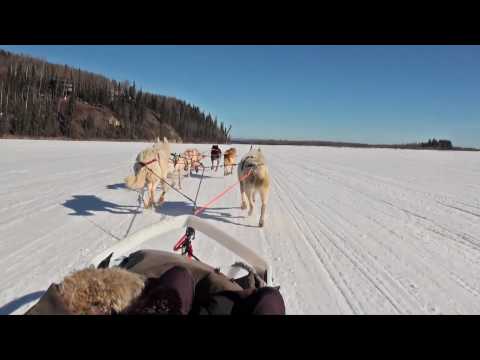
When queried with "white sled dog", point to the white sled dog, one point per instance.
{"points": [[150, 166], [258, 181]]}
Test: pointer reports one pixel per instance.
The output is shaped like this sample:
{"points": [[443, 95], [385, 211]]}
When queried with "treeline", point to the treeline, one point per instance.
{"points": [[40, 99], [430, 144], [437, 144]]}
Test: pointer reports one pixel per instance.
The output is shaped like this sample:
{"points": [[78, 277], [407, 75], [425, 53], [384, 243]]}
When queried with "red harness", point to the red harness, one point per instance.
{"points": [[147, 163]]}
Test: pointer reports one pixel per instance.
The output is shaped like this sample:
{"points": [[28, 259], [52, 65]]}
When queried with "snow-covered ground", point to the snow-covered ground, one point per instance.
{"points": [[364, 231]]}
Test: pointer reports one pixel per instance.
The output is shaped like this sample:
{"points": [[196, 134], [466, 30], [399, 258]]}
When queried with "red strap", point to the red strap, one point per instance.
{"points": [[148, 162], [203, 208], [182, 240]]}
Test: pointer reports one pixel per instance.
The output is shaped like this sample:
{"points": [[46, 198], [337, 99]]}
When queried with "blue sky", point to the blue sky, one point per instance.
{"points": [[375, 94]]}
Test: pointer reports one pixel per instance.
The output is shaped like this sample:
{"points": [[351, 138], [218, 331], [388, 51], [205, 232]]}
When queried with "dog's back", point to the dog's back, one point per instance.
{"points": [[254, 161], [254, 176], [193, 156], [229, 156], [156, 157]]}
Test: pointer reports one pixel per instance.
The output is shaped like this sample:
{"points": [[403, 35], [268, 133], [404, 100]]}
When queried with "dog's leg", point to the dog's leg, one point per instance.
{"points": [[162, 198], [250, 194], [148, 203], [264, 198], [152, 193], [242, 195]]}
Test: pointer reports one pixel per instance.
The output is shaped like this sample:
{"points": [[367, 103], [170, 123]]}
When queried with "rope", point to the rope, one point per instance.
{"points": [[198, 190], [165, 182], [215, 199], [140, 200], [185, 240]]}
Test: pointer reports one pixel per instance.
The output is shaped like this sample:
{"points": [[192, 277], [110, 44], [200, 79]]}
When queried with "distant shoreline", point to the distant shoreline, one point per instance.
{"points": [[258, 142], [345, 144]]}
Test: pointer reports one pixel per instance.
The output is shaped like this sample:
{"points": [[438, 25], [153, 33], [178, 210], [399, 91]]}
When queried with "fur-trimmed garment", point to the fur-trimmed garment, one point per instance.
{"points": [[137, 288], [100, 291]]}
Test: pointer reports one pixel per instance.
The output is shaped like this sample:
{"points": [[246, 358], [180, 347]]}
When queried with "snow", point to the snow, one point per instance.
{"points": [[348, 231]]}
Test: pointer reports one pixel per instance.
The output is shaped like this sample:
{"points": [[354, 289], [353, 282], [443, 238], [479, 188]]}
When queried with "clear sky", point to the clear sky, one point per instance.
{"points": [[374, 94]]}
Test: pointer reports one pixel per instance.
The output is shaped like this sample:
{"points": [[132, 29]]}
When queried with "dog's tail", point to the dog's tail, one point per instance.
{"points": [[137, 181]]}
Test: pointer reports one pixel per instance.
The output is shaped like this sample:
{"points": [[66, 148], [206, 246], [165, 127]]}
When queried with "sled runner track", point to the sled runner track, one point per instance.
{"points": [[379, 200], [352, 255], [321, 255], [463, 239], [363, 259], [340, 226], [396, 286], [328, 171]]}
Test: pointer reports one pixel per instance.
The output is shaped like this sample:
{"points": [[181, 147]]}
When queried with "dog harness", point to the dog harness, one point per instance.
{"points": [[147, 163]]}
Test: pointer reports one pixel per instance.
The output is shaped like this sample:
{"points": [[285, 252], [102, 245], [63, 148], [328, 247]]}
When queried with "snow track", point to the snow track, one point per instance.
{"points": [[348, 231]]}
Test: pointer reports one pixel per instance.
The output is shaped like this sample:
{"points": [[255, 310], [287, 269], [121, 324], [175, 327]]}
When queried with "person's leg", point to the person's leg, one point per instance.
{"points": [[264, 301], [171, 293]]}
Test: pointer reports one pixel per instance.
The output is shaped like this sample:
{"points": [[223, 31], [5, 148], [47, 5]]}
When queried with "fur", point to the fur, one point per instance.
{"points": [[229, 159], [215, 158], [193, 160], [258, 181], [153, 173], [100, 291], [177, 164]]}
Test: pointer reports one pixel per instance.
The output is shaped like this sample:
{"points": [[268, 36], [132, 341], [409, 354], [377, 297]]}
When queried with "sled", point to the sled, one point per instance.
{"points": [[116, 253]]}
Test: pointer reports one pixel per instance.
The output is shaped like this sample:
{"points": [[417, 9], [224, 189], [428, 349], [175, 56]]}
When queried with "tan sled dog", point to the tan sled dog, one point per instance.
{"points": [[194, 160], [178, 164], [229, 159], [150, 166], [258, 181]]}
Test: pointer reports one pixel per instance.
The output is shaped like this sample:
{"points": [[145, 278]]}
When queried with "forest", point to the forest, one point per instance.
{"points": [[39, 99]]}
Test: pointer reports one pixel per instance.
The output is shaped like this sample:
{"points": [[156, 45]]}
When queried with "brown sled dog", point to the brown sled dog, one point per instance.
{"points": [[229, 160]]}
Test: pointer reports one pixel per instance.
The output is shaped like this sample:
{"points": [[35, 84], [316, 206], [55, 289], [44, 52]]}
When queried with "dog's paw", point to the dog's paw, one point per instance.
{"points": [[260, 224], [243, 206]]}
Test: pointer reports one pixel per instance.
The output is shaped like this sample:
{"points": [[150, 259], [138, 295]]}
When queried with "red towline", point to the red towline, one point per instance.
{"points": [[182, 240]]}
